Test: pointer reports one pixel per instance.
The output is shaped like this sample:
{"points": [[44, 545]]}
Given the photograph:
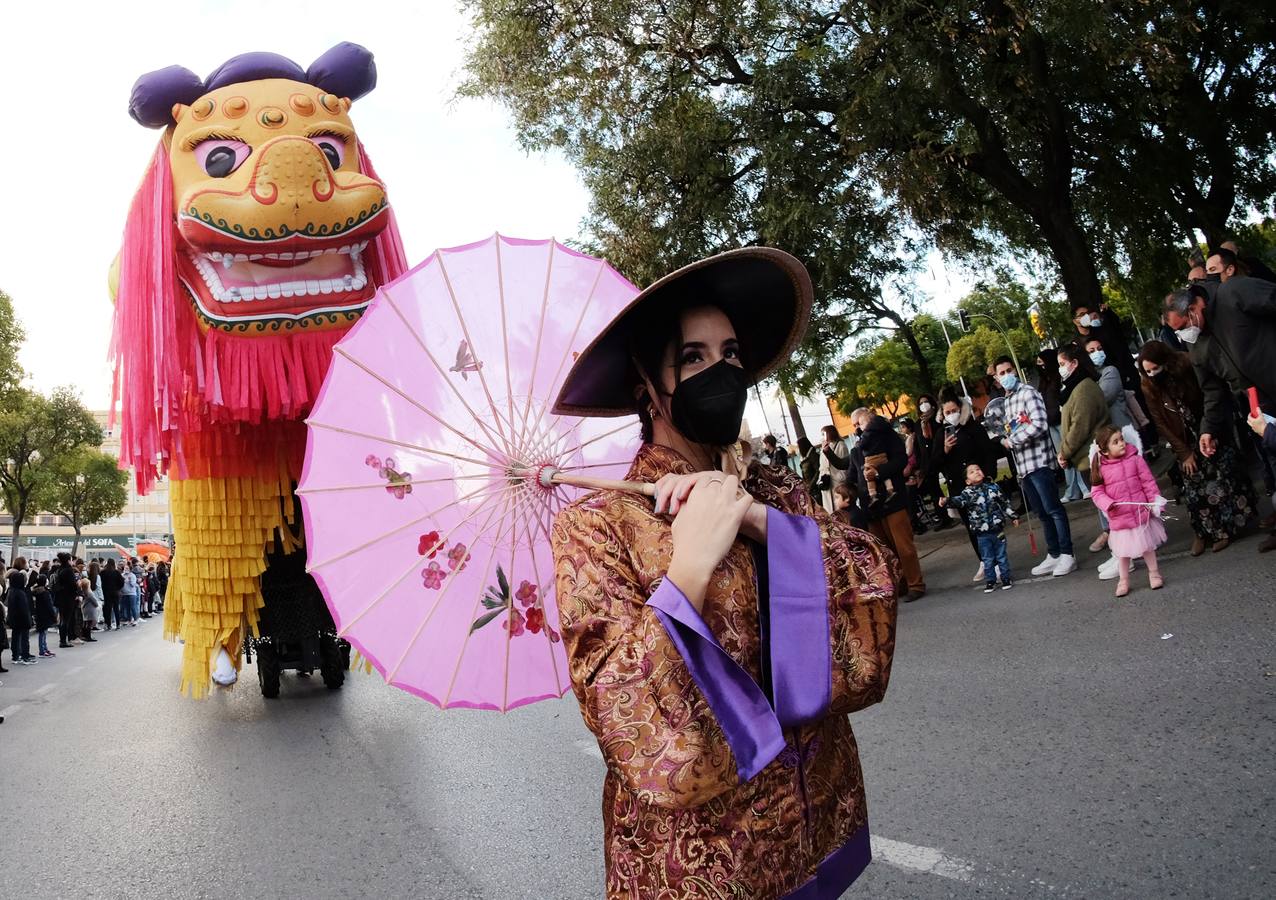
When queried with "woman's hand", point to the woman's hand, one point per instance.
{"points": [[1190, 465], [950, 441], [673, 489], [1257, 424], [706, 527]]}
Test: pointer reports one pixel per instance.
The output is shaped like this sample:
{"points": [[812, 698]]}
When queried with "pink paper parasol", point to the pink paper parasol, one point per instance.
{"points": [[434, 468]]}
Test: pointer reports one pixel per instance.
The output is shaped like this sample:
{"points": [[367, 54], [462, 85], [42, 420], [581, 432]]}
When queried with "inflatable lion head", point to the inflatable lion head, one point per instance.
{"points": [[258, 236]]}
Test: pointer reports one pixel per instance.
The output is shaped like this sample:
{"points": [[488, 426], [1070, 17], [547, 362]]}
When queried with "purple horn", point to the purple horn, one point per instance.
{"points": [[155, 93], [346, 70]]}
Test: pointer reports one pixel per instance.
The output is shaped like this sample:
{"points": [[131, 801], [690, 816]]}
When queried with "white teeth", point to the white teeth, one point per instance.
{"points": [[211, 274]]}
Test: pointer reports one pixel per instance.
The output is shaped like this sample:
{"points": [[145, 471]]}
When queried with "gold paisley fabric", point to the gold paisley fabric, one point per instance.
{"points": [[677, 821]]}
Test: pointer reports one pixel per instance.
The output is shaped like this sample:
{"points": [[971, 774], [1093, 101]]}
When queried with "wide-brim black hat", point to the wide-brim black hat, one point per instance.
{"points": [[766, 293]]}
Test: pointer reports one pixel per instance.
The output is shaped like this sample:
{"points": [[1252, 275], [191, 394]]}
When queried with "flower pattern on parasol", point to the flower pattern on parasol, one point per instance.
{"points": [[434, 468]]}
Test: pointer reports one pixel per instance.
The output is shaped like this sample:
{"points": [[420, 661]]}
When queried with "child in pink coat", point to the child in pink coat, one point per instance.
{"points": [[1125, 489]]}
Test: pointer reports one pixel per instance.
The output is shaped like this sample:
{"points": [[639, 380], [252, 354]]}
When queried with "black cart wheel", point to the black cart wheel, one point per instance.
{"points": [[334, 673], [268, 670]]}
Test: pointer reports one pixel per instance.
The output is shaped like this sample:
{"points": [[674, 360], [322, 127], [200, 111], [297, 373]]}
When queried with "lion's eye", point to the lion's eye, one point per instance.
{"points": [[333, 147], [220, 157]]}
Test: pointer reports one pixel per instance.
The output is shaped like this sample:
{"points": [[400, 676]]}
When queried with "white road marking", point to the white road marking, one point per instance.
{"points": [[44, 690], [73, 670], [10, 710], [921, 859]]}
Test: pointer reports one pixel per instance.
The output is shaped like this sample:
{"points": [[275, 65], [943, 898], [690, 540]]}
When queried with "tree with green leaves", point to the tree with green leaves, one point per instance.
{"points": [[10, 343], [36, 434], [1093, 135], [87, 487], [973, 353], [880, 379], [694, 129]]}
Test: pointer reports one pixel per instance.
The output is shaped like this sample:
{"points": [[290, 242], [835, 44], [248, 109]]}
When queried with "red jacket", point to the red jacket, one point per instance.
{"points": [[1125, 480]]}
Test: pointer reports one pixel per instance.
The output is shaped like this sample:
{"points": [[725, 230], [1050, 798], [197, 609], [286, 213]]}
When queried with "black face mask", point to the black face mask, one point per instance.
{"points": [[1213, 277], [709, 406]]}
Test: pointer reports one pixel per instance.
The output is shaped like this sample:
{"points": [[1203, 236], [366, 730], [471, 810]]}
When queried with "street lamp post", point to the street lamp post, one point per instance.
{"points": [[967, 316]]}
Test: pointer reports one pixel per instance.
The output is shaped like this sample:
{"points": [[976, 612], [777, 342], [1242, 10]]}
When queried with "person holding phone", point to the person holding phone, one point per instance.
{"points": [[964, 441]]}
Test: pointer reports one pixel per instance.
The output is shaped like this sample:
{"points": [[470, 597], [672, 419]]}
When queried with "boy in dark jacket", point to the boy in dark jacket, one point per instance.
{"points": [[986, 514]]}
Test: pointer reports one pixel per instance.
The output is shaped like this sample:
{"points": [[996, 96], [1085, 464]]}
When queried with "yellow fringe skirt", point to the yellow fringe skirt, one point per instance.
{"points": [[221, 527]]}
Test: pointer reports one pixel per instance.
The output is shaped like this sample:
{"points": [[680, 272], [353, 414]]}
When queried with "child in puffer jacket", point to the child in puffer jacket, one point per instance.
{"points": [[1123, 487], [986, 514]]}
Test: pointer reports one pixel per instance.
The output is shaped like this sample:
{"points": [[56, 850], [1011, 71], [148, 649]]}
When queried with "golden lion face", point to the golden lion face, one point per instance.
{"points": [[272, 210]]}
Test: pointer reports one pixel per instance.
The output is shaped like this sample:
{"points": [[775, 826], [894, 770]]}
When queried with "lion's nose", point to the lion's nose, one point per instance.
{"points": [[291, 171]]}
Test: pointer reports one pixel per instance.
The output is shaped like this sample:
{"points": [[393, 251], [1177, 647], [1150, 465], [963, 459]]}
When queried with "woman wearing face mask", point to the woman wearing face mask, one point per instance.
{"points": [[1048, 384], [1083, 409], [929, 431], [1109, 383], [717, 637], [961, 442], [1218, 496]]}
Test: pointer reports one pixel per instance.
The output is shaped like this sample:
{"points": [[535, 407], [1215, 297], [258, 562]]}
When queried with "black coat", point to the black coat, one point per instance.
{"points": [[66, 587], [46, 614], [1235, 349], [880, 437], [18, 601], [973, 446], [112, 583]]}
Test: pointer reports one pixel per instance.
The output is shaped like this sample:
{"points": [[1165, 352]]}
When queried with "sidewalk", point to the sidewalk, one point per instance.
{"points": [[949, 562]]}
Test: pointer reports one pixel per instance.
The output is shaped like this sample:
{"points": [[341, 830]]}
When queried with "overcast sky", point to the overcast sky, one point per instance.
{"points": [[72, 156]]}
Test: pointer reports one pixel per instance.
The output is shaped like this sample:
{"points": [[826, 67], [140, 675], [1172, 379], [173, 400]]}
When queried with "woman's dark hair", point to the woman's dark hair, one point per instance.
{"points": [[653, 332], [830, 431], [948, 394], [908, 424], [804, 445], [1049, 368], [847, 490]]}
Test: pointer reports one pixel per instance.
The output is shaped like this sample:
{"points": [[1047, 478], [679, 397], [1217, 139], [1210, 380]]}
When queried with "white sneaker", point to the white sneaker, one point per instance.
{"points": [[1108, 568], [979, 573], [223, 669], [1067, 563], [1046, 566]]}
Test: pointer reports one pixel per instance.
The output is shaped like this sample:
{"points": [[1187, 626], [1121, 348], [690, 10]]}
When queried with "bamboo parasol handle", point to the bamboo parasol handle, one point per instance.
{"points": [[604, 484]]}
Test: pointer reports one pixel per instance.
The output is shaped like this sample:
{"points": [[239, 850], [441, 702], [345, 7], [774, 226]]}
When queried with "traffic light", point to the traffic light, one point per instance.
{"points": [[963, 319]]}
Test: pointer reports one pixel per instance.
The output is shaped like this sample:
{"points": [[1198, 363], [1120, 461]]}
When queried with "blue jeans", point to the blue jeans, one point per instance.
{"points": [[992, 550], [128, 607], [1042, 497], [44, 641]]}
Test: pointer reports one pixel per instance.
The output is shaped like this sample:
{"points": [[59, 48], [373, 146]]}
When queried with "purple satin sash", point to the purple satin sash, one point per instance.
{"points": [[801, 667], [837, 871], [746, 718]]}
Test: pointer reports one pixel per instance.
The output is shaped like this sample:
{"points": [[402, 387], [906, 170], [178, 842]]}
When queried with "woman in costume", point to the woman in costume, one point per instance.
{"points": [[718, 636]]}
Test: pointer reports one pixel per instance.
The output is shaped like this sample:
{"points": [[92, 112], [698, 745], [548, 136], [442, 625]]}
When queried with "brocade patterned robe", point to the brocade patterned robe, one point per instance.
{"points": [[732, 771]]}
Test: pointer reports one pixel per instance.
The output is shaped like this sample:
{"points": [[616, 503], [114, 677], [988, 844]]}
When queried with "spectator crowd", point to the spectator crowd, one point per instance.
{"points": [[1080, 424], [77, 600]]}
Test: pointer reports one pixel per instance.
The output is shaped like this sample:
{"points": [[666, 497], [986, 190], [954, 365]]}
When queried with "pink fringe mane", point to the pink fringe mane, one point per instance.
{"points": [[169, 378]]}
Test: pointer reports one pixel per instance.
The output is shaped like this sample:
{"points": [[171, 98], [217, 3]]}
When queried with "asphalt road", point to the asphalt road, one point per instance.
{"points": [[1049, 741]]}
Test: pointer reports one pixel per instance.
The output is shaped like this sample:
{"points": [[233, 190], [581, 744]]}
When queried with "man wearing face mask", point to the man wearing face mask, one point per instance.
{"points": [[1231, 331], [1106, 326], [1028, 440]]}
